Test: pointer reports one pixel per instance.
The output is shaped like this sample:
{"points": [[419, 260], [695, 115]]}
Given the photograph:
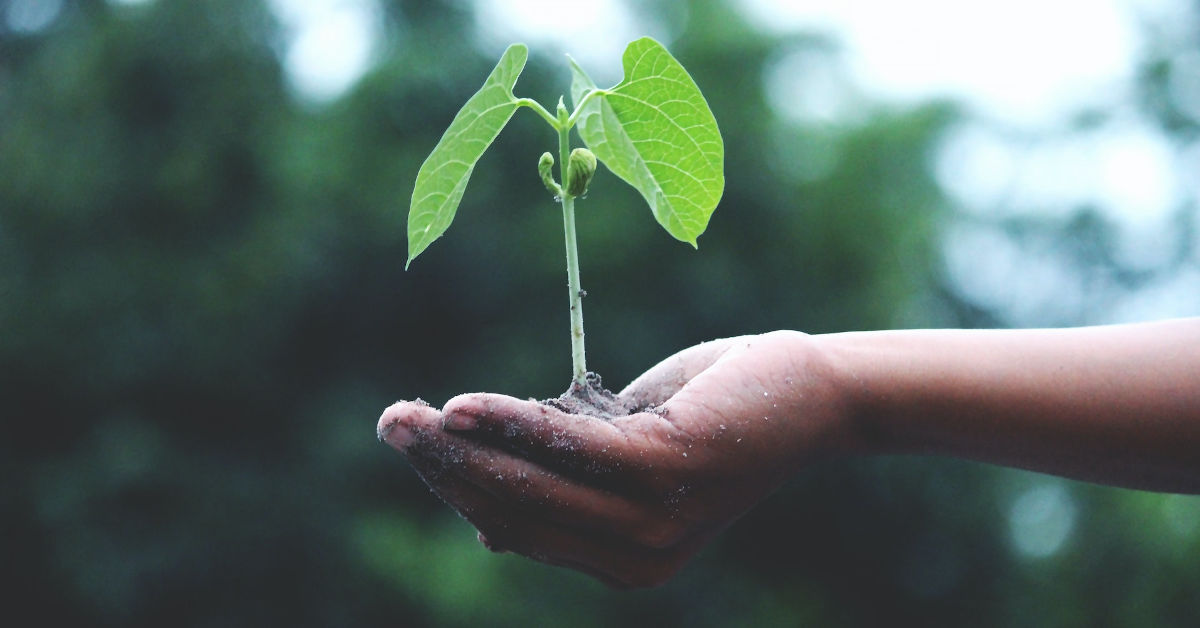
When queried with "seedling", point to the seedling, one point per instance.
{"points": [[654, 130]]}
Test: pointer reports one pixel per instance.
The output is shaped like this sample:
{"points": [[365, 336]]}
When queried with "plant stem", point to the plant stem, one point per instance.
{"points": [[540, 110], [579, 107], [578, 362]]}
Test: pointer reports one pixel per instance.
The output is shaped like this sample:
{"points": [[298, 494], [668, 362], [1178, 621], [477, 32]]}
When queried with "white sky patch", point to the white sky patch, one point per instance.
{"points": [[977, 166], [1125, 167], [811, 85], [1025, 286], [593, 32], [1175, 297], [330, 45], [1024, 68], [1022, 60]]}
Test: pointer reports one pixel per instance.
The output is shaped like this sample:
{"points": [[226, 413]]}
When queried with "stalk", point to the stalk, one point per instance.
{"points": [[578, 361]]}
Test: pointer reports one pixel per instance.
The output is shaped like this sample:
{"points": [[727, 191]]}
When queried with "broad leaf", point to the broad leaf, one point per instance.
{"points": [[443, 177], [654, 130]]}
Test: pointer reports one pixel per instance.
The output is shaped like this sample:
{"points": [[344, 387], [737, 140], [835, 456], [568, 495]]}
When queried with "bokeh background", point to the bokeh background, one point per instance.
{"points": [[203, 308]]}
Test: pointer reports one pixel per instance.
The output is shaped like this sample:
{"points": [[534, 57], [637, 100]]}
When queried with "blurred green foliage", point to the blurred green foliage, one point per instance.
{"points": [[204, 310]]}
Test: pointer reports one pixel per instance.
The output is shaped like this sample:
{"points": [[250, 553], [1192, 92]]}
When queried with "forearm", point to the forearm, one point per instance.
{"points": [[1117, 405]]}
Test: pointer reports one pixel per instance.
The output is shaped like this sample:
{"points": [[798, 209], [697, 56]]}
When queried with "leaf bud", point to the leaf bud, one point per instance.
{"points": [[544, 165], [580, 168]]}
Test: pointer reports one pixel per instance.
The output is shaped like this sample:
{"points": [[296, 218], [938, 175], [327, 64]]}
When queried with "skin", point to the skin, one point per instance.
{"points": [[631, 500]]}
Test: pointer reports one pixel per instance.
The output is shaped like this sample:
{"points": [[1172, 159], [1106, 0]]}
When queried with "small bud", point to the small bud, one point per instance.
{"points": [[580, 168], [544, 165]]}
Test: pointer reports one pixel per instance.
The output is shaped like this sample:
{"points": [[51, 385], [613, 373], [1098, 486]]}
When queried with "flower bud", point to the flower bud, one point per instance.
{"points": [[580, 168]]}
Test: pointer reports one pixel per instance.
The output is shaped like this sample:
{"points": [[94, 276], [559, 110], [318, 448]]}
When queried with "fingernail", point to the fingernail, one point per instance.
{"points": [[459, 421], [389, 430], [396, 435]]}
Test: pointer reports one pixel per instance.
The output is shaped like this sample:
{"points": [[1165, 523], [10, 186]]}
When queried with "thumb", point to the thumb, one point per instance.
{"points": [[663, 380]]}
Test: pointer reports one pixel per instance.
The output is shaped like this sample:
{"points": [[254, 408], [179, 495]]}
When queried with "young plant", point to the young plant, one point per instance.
{"points": [[654, 130]]}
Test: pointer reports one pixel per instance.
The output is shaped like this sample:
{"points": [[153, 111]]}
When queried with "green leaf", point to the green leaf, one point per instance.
{"points": [[444, 175], [654, 130]]}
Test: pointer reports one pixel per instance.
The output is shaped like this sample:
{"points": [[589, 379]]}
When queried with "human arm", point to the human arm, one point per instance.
{"points": [[629, 501], [1116, 405]]}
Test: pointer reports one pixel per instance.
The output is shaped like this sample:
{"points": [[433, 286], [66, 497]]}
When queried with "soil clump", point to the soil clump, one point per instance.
{"points": [[592, 399]]}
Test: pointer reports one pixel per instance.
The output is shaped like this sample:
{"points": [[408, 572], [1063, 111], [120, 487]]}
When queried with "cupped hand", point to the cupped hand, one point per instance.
{"points": [[629, 501]]}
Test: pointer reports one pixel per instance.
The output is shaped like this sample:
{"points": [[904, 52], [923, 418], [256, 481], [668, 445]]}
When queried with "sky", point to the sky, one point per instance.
{"points": [[1008, 59]]}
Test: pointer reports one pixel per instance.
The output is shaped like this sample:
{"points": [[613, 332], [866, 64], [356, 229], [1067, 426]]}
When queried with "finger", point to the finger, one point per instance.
{"points": [[541, 494], [666, 378], [614, 561], [576, 445], [505, 527], [403, 421]]}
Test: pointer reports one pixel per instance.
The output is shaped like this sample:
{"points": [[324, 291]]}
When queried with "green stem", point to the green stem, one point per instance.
{"points": [[579, 107], [540, 110], [578, 362]]}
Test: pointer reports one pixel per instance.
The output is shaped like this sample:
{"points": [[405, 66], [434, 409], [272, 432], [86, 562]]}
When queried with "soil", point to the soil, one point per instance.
{"points": [[591, 400]]}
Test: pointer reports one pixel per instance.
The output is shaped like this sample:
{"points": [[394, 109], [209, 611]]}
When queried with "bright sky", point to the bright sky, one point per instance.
{"points": [[331, 43], [1019, 59]]}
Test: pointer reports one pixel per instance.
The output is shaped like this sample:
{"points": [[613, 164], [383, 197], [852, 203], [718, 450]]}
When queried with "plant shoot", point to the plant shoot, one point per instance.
{"points": [[654, 130]]}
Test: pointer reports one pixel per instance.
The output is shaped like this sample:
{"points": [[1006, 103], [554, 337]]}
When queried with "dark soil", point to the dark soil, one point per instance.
{"points": [[591, 400]]}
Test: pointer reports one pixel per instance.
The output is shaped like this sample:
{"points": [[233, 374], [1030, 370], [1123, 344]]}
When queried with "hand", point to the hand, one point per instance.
{"points": [[631, 500]]}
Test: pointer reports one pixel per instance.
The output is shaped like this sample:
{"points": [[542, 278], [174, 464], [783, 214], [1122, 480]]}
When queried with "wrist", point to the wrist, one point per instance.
{"points": [[819, 385], [852, 361]]}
